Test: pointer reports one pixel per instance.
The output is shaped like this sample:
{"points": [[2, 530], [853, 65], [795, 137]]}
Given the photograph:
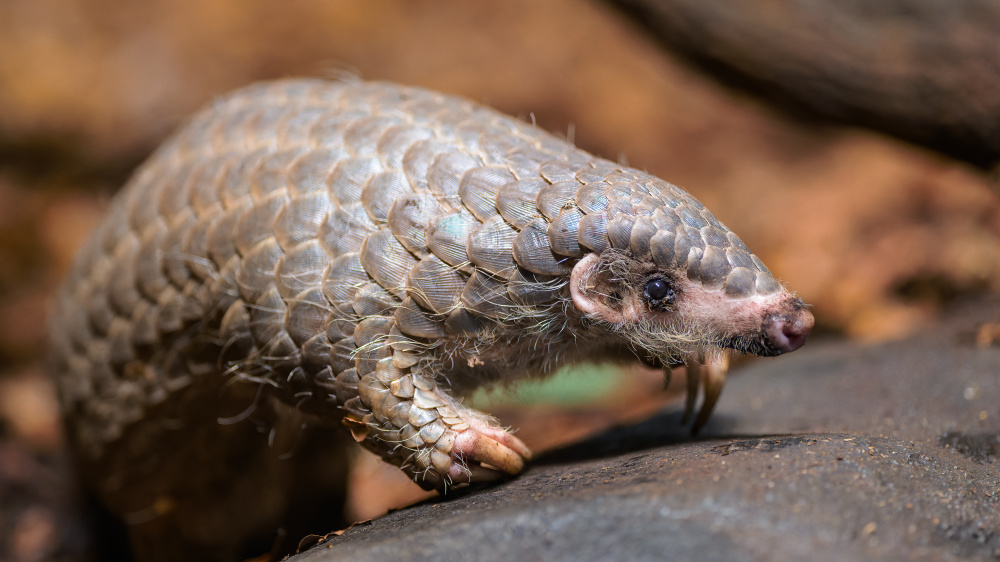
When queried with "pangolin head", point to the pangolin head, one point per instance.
{"points": [[671, 279]]}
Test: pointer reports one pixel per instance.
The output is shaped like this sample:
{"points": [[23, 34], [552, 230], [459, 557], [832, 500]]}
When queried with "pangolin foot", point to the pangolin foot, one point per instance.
{"points": [[484, 453]]}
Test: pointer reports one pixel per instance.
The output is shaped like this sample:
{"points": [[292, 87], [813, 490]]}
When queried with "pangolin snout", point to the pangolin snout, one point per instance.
{"points": [[787, 331]]}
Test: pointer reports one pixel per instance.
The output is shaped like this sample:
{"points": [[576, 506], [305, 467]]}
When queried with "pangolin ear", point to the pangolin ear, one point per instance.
{"points": [[582, 284]]}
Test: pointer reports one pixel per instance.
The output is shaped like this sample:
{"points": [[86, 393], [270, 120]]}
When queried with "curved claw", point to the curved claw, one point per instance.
{"points": [[708, 371], [492, 448], [714, 374], [693, 374]]}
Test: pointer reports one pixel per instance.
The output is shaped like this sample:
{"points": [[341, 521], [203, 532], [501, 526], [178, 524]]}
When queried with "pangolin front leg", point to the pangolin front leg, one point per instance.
{"points": [[403, 415]]}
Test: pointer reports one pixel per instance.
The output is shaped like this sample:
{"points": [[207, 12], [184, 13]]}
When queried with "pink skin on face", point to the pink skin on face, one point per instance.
{"points": [[779, 317]]}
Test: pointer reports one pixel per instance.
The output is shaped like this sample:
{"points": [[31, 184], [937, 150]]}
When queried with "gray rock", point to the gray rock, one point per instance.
{"points": [[838, 452]]}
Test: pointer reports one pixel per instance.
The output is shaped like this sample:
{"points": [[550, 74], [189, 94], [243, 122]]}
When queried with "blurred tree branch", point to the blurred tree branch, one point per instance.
{"points": [[927, 71]]}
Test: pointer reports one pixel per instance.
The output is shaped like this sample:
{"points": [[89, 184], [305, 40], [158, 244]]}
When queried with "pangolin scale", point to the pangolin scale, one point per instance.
{"points": [[364, 253]]}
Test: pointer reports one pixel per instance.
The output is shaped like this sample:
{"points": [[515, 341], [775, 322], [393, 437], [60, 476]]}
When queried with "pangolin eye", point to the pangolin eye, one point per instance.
{"points": [[657, 289], [659, 292]]}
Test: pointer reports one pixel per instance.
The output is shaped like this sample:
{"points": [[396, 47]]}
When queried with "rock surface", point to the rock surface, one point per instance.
{"points": [[838, 452]]}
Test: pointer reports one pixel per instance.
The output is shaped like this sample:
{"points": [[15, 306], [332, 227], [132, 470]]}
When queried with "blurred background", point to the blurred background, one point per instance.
{"points": [[783, 118]]}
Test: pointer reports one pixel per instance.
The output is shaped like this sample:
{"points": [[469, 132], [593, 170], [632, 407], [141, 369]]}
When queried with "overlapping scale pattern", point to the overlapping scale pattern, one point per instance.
{"points": [[334, 234]]}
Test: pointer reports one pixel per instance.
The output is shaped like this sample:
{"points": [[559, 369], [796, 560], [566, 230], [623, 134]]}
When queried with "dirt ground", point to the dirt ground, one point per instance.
{"points": [[878, 236]]}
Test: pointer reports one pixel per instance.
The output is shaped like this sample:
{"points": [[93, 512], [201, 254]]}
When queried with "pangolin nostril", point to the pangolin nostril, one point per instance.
{"points": [[788, 332]]}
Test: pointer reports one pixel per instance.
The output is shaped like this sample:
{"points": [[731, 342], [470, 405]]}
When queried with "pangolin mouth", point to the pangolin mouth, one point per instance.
{"points": [[757, 344]]}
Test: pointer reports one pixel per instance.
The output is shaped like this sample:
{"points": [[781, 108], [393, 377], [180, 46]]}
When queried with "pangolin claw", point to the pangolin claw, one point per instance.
{"points": [[691, 394], [491, 448], [710, 371], [668, 375], [713, 376]]}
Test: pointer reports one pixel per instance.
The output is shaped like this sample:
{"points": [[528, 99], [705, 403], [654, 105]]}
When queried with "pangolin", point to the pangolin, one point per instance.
{"points": [[365, 254]]}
